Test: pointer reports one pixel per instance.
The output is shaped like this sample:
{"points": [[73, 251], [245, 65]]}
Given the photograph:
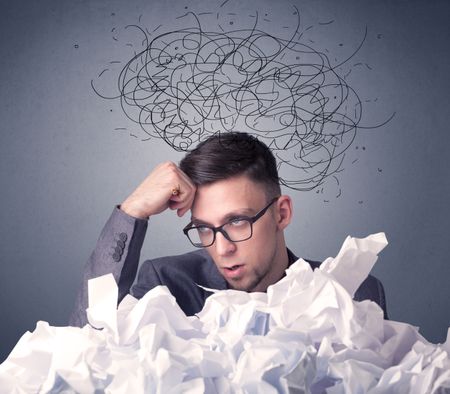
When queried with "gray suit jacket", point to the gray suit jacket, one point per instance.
{"points": [[118, 251]]}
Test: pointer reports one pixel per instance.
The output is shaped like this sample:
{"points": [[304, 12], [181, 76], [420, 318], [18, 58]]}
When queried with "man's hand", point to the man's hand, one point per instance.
{"points": [[165, 187]]}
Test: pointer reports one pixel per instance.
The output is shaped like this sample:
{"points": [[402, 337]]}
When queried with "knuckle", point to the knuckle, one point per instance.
{"points": [[167, 165]]}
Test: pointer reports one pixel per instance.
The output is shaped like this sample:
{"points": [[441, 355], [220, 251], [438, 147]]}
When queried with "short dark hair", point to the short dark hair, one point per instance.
{"points": [[225, 155]]}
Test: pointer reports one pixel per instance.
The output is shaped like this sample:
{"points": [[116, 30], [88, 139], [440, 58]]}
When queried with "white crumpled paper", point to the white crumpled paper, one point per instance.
{"points": [[305, 335]]}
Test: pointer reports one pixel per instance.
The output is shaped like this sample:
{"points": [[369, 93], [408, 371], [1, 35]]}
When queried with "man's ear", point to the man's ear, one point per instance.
{"points": [[284, 211]]}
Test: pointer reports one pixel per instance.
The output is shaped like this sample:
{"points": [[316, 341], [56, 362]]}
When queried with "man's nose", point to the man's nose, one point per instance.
{"points": [[224, 246]]}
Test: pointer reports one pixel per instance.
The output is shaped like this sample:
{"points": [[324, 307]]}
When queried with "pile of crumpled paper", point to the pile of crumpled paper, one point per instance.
{"points": [[305, 335]]}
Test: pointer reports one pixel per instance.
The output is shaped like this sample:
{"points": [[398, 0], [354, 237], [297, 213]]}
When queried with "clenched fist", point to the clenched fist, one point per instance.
{"points": [[165, 187]]}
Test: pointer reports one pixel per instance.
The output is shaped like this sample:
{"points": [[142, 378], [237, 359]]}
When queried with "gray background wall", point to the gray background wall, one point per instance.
{"points": [[64, 166]]}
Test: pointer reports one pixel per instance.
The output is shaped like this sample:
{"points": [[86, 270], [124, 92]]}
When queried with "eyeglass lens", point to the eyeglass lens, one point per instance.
{"points": [[237, 230]]}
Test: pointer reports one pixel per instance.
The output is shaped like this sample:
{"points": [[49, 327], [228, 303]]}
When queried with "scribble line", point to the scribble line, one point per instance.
{"points": [[187, 84]]}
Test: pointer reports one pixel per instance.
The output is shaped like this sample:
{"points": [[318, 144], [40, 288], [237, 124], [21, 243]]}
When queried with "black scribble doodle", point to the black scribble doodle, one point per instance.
{"points": [[326, 23], [338, 185], [184, 85], [99, 75]]}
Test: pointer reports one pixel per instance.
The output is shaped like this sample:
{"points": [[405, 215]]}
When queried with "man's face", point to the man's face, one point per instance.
{"points": [[249, 265]]}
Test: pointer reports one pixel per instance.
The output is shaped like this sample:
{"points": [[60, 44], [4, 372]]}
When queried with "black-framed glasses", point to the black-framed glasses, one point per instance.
{"points": [[237, 229]]}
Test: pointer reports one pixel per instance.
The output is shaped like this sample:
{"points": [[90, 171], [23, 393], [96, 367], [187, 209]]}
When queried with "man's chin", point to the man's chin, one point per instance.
{"points": [[243, 285]]}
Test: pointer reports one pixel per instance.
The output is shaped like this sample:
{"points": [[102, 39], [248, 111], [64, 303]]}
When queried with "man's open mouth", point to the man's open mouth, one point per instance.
{"points": [[234, 267]]}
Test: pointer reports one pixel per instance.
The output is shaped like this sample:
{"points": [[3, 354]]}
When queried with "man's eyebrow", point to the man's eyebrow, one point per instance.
{"points": [[197, 221], [231, 215]]}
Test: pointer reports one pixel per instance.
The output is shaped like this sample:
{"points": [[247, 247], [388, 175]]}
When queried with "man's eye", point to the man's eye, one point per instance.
{"points": [[203, 229], [237, 222]]}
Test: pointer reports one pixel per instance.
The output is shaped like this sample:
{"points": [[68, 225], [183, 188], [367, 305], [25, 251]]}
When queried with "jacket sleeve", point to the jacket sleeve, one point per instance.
{"points": [[117, 252]]}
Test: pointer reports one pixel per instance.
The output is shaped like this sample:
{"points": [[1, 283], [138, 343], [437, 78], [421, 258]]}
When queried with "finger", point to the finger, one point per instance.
{"points": [[182, 205], [182, 210], [183, 199], [184, 192], [175, 204]]}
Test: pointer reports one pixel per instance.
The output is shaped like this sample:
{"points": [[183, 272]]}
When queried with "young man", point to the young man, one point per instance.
{"points": [[238, 216]]}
